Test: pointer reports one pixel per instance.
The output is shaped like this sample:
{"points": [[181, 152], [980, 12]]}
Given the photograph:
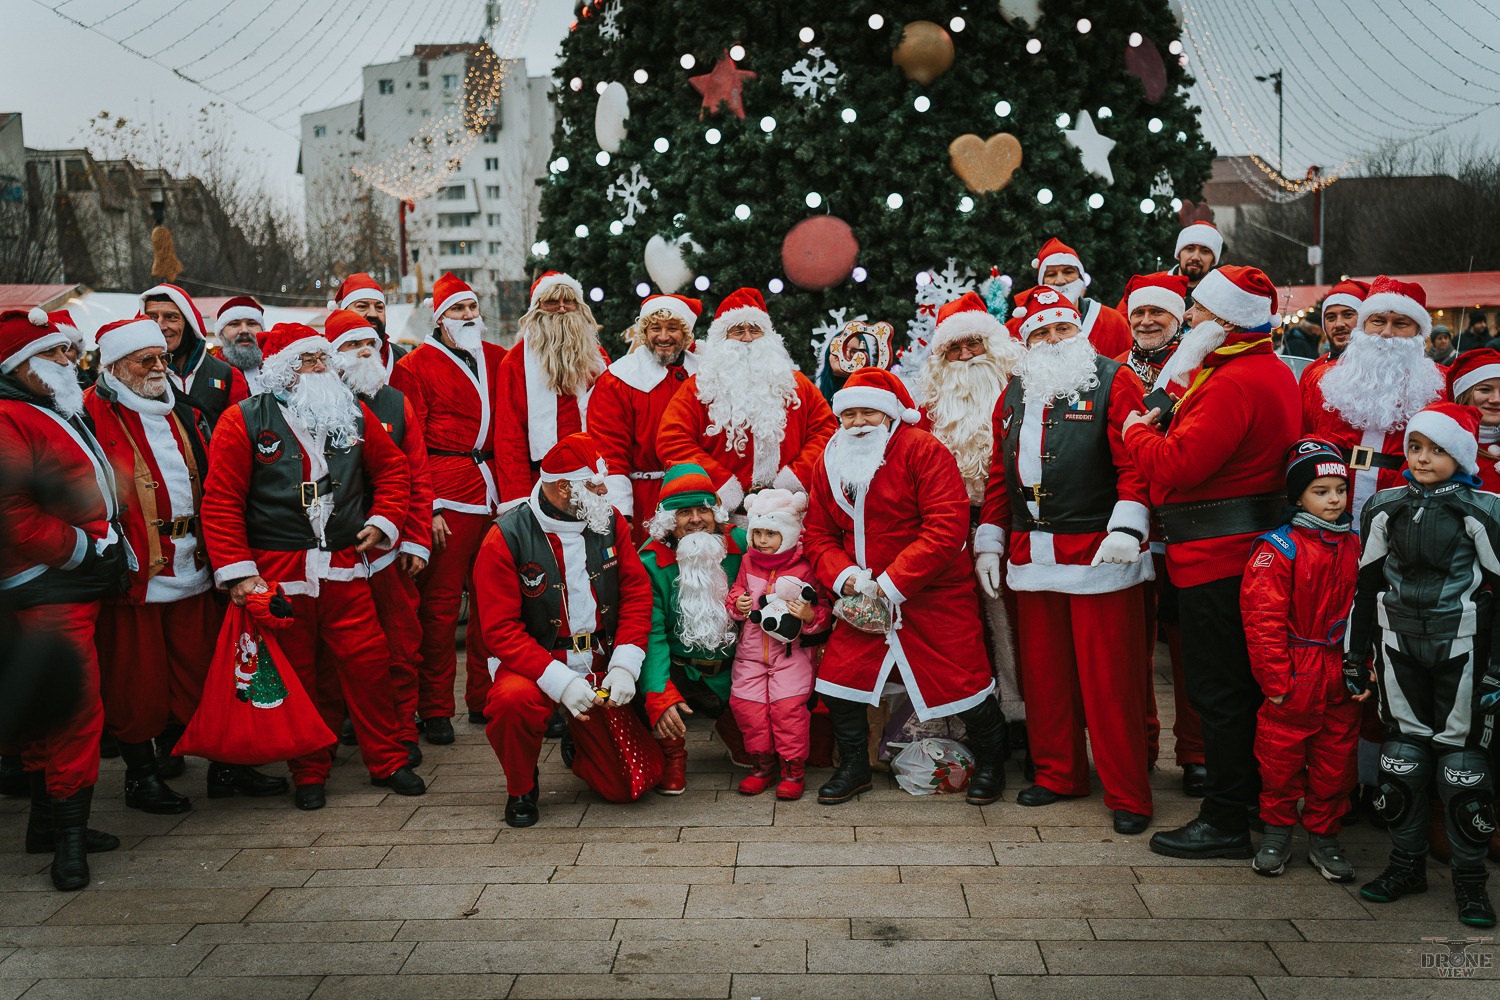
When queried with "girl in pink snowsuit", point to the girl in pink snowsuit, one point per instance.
{"points": [[772, 677]]}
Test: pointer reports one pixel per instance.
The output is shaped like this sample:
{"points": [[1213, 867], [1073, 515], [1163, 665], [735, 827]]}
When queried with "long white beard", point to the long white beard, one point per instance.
{"points": [[1379, 382], [960, 398], [1073, 290], [702, 587], [364, 373], [467, 334], [856, 453], [1197, 344], [62, 382], [325, 405], [1064, 370], [593, 510], [747, 388]]}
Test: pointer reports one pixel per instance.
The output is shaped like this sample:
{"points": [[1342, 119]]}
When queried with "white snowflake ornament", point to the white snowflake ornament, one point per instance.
{"points": [[815, 77], [632, 190], [934, 290], [609, 22]]}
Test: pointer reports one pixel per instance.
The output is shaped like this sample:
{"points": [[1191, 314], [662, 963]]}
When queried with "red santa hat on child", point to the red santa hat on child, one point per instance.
{"points": [[343, 326], [1471, 368], [877, 389], [24, 335], [574, 459], [184, 303], [1241, 296], [1451, 427], [780, 511], [1163, 290], [1055, 252], [964, 317], [448, 291], [743, 305], [1037, 307], [282, 348], [1405, 297], [683, 308], [554, 279], [1348, 292], [124, 337], [240, 307], [1203, 234], [356, 288]]}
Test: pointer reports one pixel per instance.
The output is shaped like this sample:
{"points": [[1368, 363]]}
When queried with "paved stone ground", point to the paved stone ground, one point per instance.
{"points": [[710, 894]]}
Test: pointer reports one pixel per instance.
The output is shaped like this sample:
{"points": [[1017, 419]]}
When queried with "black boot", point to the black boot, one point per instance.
{"points": [[985, 726], [144, 789], [168, 764], [226, 779], [851, 733], [521, 810], [346, 734], [39, 839], [70, 823], [13, 783], [109, 747], [1474, 906], [1405, 875]]}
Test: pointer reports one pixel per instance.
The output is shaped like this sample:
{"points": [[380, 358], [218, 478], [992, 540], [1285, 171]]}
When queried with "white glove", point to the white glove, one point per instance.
{"points": [[620, 685], [1118, 547], [578, 696], [987, 569]]}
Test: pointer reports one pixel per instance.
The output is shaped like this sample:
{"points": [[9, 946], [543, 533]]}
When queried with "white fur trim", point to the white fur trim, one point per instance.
{"points": [[361, 295], [356, 333], [1231, 303], [180, 300], [239, 312], [869, 397], [1079, 578], [41, 344], [580, 475], [731, 494], [124, 341], [1065, 313], [1342, 299], [989, 538], [550, 282], [970, 323], [1396, 303], [621, 494], [451, 301], [641, 372], [892, 593], [1060, 258], [1446, 433], [628, 657], [36, 316], [422, 552], [235, 571], [1478, 375], [667, 303], [734, 317], [389, 530], [1129, 514], [1203, 236], [306, 345], [1155, 295]]}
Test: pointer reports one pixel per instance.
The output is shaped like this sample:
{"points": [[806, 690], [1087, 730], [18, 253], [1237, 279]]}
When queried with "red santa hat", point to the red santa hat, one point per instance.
{"points": [[743, 305], [1451, 427], [686, 309], [1405, 297], [1202, 234], [1241, 296], [1055, 252], [877, 389], [1163, 290], [1040, 306], [240, 307], [24, 335], [124, 337], [1471, 368], [777, 510], [448, 291], [63, 320], [282, 348], [964, 317], [1348, 292], [343, 326], [184, 303], [575, 459], [554, 279], [357, 288]]}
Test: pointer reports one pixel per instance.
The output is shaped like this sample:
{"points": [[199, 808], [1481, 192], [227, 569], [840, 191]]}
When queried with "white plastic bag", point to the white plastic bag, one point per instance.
{"points": [[933, 766]]}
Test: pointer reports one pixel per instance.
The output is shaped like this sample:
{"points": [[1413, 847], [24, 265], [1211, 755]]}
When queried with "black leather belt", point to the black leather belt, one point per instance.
{"points": [[1361, 458], [581, 642], [179, 527], [1192, 522], [479, 457]]}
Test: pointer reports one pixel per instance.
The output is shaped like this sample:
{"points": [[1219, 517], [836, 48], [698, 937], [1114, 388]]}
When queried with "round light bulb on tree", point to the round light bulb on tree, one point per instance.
{"points": [[1175, 47], [601, 158], [661, 145], [581, 231], [1002, 109], [596, 294], [641, 76], [1096, 200], [712, 136], [1176, 204], [742, 212], [966, 204], [599, 87], [1154, 125], [1135, 39], [957, 24], [561, 164], [1106, 112], [849, 115], [616, 227], [540, 248], [1085, 26], [1044, 196], [894, 200], [1034, 45], [687, 61], [813, 199], [1064, 120], [768, 124], [924, 278], [575, 84], [1147, 206], [701, 283], [922, 103], [775, 286], [876, 22], [642, 290], [806, 35], [737, 52], [1182, 137], [859, 274]]}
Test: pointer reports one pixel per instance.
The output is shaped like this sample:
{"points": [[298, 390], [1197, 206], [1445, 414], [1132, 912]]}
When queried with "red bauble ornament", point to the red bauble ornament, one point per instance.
{"points": [[725, 85], [819, 252], [1143, 61]]}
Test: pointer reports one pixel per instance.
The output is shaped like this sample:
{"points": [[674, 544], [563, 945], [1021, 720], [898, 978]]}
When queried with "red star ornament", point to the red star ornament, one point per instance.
{"points": [[725, 85]]}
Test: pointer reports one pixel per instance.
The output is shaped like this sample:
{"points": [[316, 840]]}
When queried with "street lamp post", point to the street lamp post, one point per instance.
{"points": [[1275, 80]]}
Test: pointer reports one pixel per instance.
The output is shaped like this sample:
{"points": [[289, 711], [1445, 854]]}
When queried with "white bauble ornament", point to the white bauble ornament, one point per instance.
{"points": [[1027, 10], [665, 263], [610, 116]]}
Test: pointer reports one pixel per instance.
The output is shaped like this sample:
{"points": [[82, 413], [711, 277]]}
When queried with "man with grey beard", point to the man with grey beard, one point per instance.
{"points": [[238, 327]]}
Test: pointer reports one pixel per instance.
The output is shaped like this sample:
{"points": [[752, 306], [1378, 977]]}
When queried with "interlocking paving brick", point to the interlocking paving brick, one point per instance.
{"points": [[437, 987], [1057, 987], [716, 929], [862, 987], [658, 986], [477, 928], [1167, 929], [1272, 901], [315, 858], [1188, 958], [84, 961], [307, 958], [832, 875], [734, 955], [938, 957], [1044, 900], [972, 929], [185, 988], [366, 902], [511, 957], [158, 906], [824, 901], [586, 900], [866, 854]]}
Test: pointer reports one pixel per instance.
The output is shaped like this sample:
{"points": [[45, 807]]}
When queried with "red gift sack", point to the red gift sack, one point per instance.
{"points": [[254, 710], [614, 753]]}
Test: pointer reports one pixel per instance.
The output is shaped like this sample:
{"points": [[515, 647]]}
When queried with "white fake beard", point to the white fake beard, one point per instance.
{"points": [[1073, 290], [595, 511], [856, 453], [362, 372], [323, 404], [1064, 370], [467, 334], [1379, 382], [747, 388], [960, 398], [245, 357], [1197, 344], [702, 587], [62, 382]]}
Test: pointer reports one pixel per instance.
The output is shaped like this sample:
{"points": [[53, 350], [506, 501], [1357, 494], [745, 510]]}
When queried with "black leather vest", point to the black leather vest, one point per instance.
{"points": [[1079, 484], [212, 399], [541, 581], [389, 407], [275, 512]]}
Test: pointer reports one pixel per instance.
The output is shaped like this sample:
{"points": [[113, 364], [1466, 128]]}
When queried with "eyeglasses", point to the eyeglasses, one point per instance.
{"points": [[311, 360], [150, 361], [557, 305]]}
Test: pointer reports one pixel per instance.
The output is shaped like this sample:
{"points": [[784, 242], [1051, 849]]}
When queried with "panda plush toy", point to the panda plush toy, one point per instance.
{"points": [[774, 617]]}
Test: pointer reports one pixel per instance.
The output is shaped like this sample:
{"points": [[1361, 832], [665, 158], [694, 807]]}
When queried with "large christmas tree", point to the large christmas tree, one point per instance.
{"points": [[747, 118]]}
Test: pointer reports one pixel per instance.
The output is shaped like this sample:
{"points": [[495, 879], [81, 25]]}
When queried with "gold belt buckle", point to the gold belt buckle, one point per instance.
{"points": [[1361, 457], [309, 493], [581, 642], [181, 527]]}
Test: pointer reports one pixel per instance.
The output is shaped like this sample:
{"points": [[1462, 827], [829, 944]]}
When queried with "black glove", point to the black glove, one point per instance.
{"points": [[279, 605], [1356, 675], [1488, 692]]}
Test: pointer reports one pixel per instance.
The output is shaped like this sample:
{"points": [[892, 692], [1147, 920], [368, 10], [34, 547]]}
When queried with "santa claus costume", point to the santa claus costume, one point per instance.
{"points": [[1069, 507], [451, 388], [393, 585], [64, 552], [212, 384], [238, 316], [566, 607], [297, 476], [1104, 327], [1346, 294], [889, 516], [749, 418], [543, 386], [627, 407], [1217, 481], [361, 294], [1480, 370]]}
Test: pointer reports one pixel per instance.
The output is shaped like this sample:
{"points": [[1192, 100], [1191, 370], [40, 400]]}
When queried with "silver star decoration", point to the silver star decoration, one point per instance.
{"points": [[1092, 147]]}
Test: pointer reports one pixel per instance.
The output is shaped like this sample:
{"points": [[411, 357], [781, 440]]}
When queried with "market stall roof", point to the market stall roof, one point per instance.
{"points": [[1452, 290], [49, 297]]}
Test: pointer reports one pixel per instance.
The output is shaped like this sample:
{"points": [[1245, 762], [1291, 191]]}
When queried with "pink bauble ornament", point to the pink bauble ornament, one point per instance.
{"points": [[819, 252]]}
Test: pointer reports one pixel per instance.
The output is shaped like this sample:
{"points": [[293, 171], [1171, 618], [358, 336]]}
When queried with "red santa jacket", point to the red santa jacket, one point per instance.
{"points": [[232, 460], [454, 406], [500, 591], [416, 529], [149, 443], [1058, 560], [625, 413], [1228, 438], [910, 529], [529, 419], [1307, 382], [684, 438], [1107, 329]]}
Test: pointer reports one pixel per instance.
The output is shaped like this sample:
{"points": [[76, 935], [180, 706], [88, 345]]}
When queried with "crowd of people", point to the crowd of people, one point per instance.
{"points": [[695, 529]]}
